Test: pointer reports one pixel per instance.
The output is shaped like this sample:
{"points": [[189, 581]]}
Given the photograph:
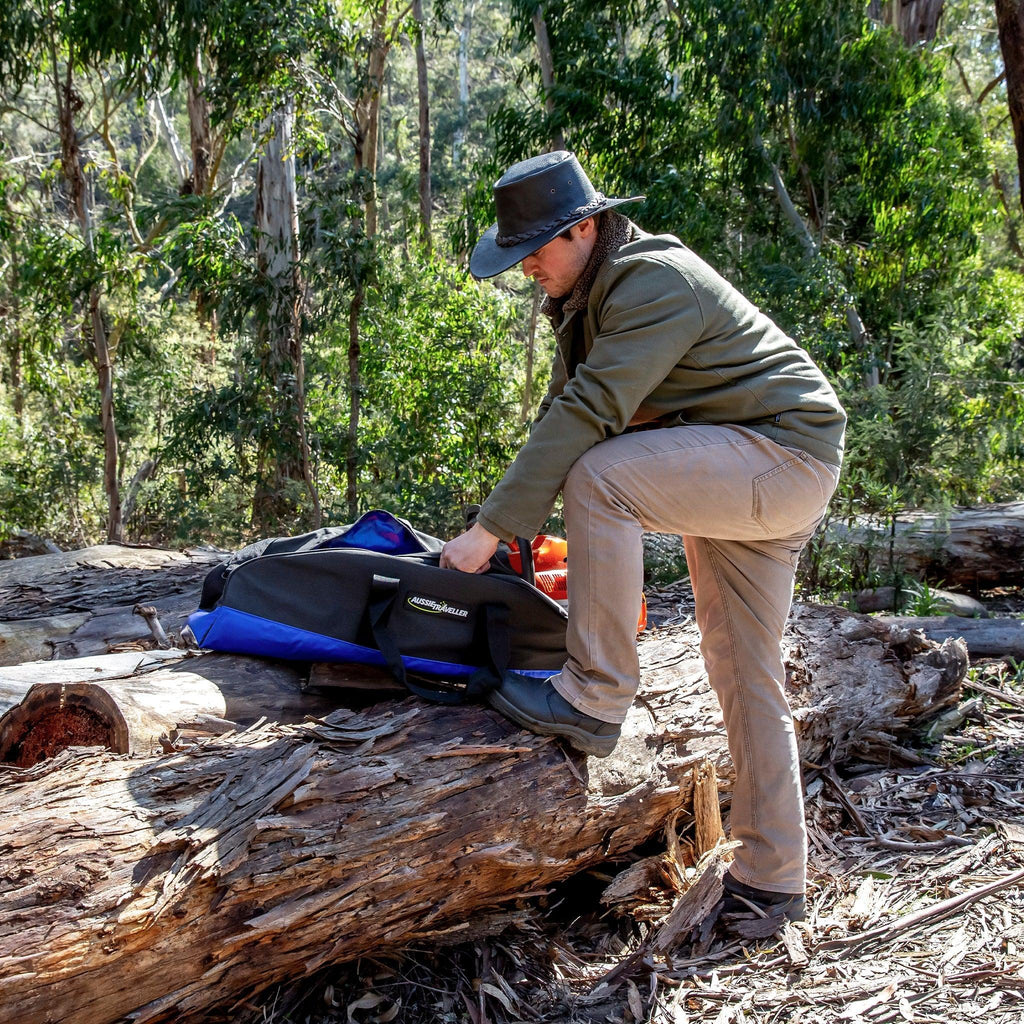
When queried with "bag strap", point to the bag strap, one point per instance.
{"points": [[384, 594], [526, 560]]}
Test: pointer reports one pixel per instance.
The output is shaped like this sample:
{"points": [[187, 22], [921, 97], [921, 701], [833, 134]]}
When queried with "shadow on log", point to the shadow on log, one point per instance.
{"points": [[174, 888]]}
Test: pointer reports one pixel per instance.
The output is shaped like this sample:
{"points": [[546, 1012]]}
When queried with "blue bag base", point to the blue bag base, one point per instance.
{"points": [[238, 632]]}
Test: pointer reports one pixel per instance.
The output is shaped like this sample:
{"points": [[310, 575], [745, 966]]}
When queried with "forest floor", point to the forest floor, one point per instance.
{"points": [[915, 908]]}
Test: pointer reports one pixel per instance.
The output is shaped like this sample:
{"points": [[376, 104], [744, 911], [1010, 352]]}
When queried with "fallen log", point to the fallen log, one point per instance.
{"points": [[174, 888], [127, 702], [966, 549], [82, 603], [985, 638]]}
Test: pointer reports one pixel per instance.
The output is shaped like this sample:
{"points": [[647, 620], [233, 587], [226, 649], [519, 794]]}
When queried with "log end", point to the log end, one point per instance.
{"points": [[55, 716]]}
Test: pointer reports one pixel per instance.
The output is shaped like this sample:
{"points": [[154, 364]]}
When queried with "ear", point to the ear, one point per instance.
{"points": [[587, 228]]}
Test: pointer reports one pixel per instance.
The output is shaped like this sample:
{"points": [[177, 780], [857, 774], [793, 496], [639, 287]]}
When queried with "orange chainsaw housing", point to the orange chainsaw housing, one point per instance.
{"points": [[550, 571]]}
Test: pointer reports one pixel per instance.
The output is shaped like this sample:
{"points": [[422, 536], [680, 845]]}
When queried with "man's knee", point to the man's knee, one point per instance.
{"points": [[584, 475]]}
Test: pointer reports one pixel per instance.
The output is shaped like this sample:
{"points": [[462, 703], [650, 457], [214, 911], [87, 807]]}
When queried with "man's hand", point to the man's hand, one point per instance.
{"points": [[470, 551]]}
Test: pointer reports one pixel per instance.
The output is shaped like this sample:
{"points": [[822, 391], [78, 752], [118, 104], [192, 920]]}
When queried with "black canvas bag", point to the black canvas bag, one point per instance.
{"points": [[326, 596]]}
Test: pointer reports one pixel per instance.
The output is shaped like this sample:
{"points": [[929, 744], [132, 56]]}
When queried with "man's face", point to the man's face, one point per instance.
{"points": [[556, 267]]}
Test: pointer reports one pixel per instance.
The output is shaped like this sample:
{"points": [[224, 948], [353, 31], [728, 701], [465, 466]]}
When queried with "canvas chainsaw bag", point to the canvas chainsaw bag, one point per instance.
{"points": [[374, 593]]}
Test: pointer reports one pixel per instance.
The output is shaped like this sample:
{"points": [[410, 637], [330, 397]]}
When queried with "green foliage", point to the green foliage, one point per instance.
{"points": [[441, 392], [700, 105], [883, 151]]}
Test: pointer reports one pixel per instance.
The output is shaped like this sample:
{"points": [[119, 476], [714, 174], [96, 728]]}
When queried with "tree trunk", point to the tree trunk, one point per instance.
{"points": [[423, 96], [79, 603], [126, 702], [459, 138], [1010, 20], [14, 360], [970, 549], [985, 638], [68, 102], [175, 887], [917, 21], [367, 111], [200, 180], [354, 404], [547, 73], [277, 222], [201, 177], [170, 135]]}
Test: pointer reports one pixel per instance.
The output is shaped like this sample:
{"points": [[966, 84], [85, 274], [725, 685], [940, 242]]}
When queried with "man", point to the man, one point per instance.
{"points": [[675, 406]]}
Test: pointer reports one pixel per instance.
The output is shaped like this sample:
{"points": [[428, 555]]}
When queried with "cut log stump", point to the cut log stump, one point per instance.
{"points": [[127, 702], [174, 888]]}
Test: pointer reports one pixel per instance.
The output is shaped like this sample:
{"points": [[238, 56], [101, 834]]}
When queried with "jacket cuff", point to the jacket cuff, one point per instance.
{"points": [[502, 530]]}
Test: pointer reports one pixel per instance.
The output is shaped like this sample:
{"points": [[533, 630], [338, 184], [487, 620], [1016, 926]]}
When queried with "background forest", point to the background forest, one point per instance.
{"points": [[234, 233]]}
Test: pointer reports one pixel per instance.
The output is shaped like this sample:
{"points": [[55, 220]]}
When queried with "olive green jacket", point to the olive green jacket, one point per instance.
{"points": [[663, 338]]}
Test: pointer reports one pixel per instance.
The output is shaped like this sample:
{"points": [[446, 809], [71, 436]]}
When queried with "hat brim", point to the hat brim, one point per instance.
{"points": [[490, 259]]}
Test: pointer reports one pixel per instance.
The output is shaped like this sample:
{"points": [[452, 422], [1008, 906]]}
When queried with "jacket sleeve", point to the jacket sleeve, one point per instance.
{"points": [[648, 317], [559, 376]]}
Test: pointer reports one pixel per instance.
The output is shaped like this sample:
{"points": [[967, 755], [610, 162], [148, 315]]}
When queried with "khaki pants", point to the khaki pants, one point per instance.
{"points": [[745, 507]]}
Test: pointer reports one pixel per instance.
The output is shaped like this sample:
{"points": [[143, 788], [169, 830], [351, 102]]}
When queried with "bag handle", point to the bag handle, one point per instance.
{"points": [[384, 594], [526, 560]]}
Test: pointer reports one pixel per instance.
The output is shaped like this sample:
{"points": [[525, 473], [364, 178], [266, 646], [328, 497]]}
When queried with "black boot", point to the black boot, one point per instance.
{"points": [[536, 705], [787, 906]]}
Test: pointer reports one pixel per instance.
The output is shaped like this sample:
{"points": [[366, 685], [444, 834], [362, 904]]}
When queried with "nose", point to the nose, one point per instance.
{"points": [[529, 266]]}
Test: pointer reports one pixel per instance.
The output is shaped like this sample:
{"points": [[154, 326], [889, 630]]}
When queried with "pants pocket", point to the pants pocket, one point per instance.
{"points": [[791, 495]]}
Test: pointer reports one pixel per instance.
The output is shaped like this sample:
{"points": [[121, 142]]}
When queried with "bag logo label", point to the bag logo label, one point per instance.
{"points": [[436, 606]]}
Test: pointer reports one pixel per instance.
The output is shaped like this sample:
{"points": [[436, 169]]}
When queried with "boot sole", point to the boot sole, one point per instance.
{"points": [[587, 742]]}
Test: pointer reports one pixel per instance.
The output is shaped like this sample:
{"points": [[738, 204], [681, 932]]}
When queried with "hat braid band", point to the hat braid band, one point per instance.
{"points": [[580, 211]]}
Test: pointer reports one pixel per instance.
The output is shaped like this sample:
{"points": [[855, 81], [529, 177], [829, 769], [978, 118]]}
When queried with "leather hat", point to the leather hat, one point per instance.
{"points": [[536, 200]]}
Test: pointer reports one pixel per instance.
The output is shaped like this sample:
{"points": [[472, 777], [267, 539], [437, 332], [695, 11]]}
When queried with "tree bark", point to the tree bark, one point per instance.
{"points": [[1010, 21], [917, 21], [459, 138], [354, 403], [127, 702], [80, 603], [547, 73], [172, 888], [200, 181], [970, 549], [985, 638], [170, 135], [367, 109]]}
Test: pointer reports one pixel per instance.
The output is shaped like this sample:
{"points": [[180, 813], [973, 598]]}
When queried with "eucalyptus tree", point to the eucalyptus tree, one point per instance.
{"points": [[64, 45], [1010, 19], [423, 106]]}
